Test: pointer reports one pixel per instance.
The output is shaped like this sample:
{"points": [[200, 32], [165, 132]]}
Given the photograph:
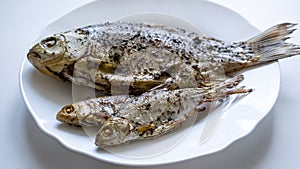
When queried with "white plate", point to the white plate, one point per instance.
{"points": [[44, 96]]}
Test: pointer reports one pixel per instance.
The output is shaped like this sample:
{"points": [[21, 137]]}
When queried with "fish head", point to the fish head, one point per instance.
{"points": [[112, 132], [55, 55], [68, 115]]}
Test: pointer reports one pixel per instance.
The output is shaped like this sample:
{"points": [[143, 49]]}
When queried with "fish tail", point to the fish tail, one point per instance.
{"points": [[223, 90], [271, 45], [229, 86], [230, 82]]}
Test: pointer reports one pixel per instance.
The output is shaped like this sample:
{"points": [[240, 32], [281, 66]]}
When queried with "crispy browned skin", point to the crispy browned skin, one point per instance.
{"points": [[124, 118], [131, 58]]}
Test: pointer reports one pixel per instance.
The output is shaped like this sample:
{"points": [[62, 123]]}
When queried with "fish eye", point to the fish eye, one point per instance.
{"points": [[49, 42], [107, 131], [69, 109]]}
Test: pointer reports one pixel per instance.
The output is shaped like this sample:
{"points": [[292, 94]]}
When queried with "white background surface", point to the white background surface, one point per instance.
{"points": [[274, 144]]}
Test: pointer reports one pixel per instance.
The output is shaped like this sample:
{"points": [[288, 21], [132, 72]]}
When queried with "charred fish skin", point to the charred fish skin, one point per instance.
{"points": [[124, 118], [160, 114], [140, 56]]}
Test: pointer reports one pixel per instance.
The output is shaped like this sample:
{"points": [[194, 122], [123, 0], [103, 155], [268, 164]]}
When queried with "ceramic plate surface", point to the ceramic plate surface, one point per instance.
{"points": [[44, 96]]}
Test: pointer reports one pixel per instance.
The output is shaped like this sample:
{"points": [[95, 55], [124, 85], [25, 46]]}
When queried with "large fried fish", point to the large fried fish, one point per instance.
{"points": [[130, 58]]}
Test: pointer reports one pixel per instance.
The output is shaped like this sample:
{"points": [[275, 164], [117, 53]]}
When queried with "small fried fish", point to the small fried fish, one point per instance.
{"points": [[124, 118]]}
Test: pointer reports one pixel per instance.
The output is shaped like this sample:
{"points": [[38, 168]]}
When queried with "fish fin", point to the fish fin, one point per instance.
{"points": [[270, 45], [159, 87], [232, 82], [225, 89], [230, 87]]}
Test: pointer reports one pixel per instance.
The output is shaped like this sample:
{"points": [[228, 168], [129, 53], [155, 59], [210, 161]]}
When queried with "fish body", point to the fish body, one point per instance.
{"points": [[123, 118], [131, 58]]}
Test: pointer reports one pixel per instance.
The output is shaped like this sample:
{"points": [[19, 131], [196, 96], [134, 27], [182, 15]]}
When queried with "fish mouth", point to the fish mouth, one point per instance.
{"points": [[35, 59], [33, 55], [67, 119]]}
